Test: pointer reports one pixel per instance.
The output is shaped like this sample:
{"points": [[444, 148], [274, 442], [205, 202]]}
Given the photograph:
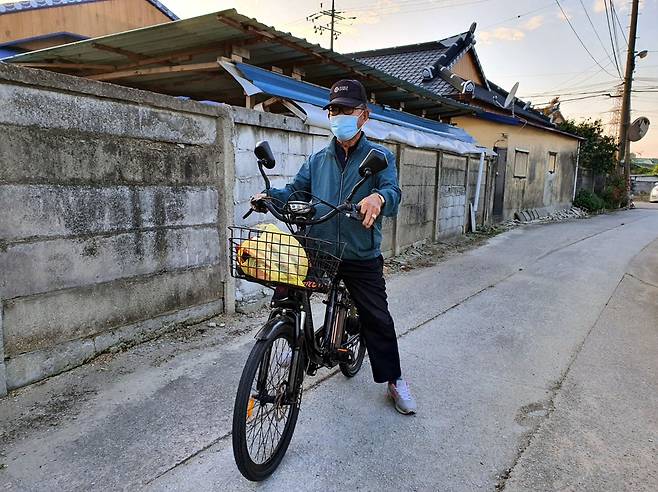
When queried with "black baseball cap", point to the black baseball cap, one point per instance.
{"points": [[347, 92]]}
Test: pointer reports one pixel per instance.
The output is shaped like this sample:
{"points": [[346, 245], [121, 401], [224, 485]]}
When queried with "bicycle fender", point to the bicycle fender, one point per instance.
{"points": [[268, 328]]}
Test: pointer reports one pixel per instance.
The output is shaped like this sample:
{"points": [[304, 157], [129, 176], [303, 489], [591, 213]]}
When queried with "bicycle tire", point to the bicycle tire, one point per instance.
{"points": [[350, 369], [252, 467]]}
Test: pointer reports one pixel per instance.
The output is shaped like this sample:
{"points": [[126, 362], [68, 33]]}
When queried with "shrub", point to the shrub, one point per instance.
{"points": [[589, 201], [614, 193]]}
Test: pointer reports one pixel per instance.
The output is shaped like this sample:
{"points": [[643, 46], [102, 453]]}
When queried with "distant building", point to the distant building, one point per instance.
{"points": [[536, 161], [31, 25]]}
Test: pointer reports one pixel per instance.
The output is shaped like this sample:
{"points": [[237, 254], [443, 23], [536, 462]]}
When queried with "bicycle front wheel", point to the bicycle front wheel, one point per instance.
{"points": [[264, 416]]}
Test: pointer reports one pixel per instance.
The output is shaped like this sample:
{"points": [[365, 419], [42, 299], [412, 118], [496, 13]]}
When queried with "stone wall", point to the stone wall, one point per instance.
{"points": [[113, 218], [116, 204], [418, 181], [452, 201]]}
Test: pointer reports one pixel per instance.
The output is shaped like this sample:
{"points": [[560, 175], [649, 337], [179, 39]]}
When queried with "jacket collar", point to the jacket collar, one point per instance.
{"points": [[360, 145]]}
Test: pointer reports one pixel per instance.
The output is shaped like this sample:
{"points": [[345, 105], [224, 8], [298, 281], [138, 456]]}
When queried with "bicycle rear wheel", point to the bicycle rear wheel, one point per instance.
{"points": [[264, 417], [356, 344]]}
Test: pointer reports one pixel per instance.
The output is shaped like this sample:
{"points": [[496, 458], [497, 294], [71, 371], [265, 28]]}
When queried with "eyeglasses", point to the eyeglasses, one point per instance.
{"points": [[336, 110]]}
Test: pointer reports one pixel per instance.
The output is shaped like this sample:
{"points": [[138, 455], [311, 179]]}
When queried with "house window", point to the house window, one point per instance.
{"points": [[552, 162], [521, 163]]}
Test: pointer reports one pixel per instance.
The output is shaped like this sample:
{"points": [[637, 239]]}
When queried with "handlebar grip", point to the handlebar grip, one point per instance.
{"points": [[248, 213], [355, 213]]}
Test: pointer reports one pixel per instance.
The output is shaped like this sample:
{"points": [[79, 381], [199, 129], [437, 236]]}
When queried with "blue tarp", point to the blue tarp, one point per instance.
{"points": [[499, 118], [285, 87]]}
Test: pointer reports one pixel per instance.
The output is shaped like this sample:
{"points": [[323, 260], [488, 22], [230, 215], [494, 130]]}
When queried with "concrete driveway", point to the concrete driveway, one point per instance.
{"points": [[533, 359]]}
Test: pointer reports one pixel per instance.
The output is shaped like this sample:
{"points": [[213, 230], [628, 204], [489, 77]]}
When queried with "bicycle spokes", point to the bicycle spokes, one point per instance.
{"points": [[268, 407]]}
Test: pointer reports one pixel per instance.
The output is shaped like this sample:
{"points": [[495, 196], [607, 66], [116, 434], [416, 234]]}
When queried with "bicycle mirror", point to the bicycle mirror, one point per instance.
{"points": [[264, 154], [374, 162]]}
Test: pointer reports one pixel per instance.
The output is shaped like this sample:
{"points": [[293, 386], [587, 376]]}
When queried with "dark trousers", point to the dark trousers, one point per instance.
{"points": [[364, 280]]}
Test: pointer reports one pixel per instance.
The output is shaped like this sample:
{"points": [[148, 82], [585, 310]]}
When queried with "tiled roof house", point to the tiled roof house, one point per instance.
{"points": [[536, 162]]}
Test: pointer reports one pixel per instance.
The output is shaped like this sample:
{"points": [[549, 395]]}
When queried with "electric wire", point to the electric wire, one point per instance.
{"points": [[599, 38], [612, 43], [614, 14], [566, 18]]}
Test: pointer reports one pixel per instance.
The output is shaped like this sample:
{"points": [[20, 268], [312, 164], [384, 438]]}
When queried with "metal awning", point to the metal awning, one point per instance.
{"points": [[275, 84], [179, 58], [384, 124]]}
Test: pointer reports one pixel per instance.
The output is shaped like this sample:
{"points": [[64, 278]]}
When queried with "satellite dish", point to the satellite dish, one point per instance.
{"points": [[510, 97], [638, 129]]}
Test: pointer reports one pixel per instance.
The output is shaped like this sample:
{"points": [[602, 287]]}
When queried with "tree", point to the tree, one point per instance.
{"points": [[597, 150]]}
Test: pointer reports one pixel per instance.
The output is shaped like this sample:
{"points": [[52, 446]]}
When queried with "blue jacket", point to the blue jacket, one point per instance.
{"points": [[323, 176]]}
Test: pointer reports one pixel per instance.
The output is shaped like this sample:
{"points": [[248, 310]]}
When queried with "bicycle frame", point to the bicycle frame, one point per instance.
{"points": [[308, 354]]}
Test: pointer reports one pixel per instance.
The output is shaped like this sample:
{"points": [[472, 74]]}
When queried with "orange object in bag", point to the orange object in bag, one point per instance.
{"points": [[274, 256]]}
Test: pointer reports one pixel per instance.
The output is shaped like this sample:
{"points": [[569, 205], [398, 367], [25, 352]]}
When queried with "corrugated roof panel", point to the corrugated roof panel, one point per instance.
{"points": [[210, 32], [275, 84]]}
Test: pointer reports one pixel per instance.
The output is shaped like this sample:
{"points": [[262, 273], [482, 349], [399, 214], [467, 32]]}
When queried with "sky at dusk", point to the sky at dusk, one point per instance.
{"points": [[528, 41]]}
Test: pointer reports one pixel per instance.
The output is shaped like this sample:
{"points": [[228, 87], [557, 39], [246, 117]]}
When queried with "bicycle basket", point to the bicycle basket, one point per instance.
{"points": [[272, 257]]}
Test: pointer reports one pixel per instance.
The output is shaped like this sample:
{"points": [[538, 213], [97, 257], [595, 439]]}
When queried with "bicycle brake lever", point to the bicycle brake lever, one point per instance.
{"points": [[355, 213]]}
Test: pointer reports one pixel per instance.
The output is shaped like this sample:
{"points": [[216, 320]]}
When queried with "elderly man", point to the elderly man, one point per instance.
{"points": [[330, 174]]}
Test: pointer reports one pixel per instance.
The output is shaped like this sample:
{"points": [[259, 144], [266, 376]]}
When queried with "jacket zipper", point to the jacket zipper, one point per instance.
{"points": [[340, 200]]}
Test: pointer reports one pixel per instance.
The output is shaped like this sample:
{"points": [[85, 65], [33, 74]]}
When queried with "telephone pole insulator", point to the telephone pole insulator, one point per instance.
{"points": [[334, 16]]}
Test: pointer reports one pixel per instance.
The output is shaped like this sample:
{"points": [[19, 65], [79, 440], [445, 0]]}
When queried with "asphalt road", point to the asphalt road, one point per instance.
{"points": [[533, 360]]}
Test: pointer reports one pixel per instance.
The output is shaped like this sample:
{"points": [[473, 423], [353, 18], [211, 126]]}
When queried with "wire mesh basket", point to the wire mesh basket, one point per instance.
{"points": [[272, 257]]}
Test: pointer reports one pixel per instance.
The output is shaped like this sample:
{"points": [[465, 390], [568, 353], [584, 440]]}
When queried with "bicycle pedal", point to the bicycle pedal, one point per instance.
{"points": [[312, 369]]}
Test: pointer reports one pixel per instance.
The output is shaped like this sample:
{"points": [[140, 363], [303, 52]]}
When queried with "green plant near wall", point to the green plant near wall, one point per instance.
{"points": [[588, 200], [597, 150], [614, 193]]}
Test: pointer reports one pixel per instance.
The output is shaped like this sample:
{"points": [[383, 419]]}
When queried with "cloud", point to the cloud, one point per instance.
{"points": [[565, 15], [624, 6], [534, 23], [502, 34]]}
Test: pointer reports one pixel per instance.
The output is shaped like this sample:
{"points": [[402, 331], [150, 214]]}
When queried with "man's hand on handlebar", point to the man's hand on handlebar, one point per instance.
{"points": [[371, 206], [257, 204]]}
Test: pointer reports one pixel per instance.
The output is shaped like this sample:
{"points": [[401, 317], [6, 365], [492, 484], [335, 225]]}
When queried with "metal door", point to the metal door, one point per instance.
{"points": [[499, 183]]}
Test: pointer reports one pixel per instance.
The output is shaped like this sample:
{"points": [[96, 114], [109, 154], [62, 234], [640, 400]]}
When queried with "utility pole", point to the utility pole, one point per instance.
{"points": [[336, 16], [333, 22], [624, 145]]}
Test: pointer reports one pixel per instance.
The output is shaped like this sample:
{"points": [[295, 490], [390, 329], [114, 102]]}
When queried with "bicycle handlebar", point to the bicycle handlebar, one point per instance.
{"points": [[352, 210]]}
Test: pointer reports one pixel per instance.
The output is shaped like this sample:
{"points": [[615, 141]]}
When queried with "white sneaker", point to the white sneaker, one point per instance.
{"points": [[401, 396]]}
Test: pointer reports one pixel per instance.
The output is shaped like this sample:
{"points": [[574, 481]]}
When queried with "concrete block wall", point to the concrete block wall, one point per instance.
{"points": [[292, 142], [452, 195], [113, 218], [418, 180]]}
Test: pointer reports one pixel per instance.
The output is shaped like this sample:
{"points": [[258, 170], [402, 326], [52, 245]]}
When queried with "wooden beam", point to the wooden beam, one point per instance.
{"points": [[123, 74], [298, 72], [185, 55], [136, 57], [76, 66], [248, 28]]}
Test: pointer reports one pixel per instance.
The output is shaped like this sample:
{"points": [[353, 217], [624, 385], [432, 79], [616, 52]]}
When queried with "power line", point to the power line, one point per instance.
{"points": [[614, 14], [392, 9], [564, 14], [599, 38], [580, 98], [612, 43]]}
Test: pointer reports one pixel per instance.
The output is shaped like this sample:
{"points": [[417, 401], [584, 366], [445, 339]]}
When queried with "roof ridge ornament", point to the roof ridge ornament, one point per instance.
{"points": [[462, 41]]}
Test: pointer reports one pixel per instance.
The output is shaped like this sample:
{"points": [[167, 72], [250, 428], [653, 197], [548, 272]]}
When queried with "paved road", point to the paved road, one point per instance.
{"points": [[533, 359]]}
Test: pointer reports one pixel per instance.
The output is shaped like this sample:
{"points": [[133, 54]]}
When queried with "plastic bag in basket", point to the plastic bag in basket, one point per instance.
{"points": [[274, 256]]}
